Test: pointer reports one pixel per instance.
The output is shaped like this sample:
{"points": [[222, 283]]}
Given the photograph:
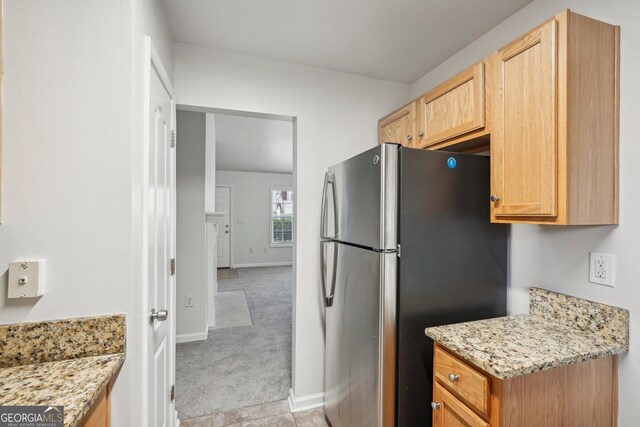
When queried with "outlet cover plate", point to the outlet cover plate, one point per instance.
{"points": [[26, 278], [602, 269]]}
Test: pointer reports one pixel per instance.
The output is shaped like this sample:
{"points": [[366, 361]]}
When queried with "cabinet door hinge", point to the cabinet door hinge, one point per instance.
{"points": [[172, 266], [173, 393], [173, 138]]}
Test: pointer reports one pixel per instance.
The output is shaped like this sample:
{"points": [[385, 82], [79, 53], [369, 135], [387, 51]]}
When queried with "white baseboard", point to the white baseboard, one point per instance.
{"points": [[304, 403], [263, 264], [200, 336], [176, 421]]}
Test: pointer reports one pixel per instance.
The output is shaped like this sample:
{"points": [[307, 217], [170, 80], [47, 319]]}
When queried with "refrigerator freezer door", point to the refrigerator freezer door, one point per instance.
{"points": [[366, 192], [453, 265], [360, 340]]}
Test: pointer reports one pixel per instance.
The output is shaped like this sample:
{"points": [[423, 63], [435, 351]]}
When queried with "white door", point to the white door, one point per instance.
{"points": [[160, 248], [223, 206]]}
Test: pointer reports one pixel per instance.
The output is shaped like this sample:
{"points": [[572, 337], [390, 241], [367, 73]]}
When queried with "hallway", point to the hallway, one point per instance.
{"points": [[241, 366]]}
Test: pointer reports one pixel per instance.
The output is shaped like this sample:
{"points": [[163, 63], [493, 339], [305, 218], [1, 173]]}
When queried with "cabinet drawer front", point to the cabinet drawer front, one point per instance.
{"points": [[451, 412], [524, 147], [454, 108], [463, 380]]}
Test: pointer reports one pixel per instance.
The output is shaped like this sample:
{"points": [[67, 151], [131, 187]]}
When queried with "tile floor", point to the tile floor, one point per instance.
{"points": [[274, 414]]}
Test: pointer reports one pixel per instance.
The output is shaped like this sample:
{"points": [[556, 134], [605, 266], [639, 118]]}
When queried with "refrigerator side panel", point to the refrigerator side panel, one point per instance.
{"points": [[453, 265], [352, 361]]}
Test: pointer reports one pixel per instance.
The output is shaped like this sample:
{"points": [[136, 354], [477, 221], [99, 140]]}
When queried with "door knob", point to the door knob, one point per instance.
{"points": [[435, 405], [160, 316], [454, 378], [494, 198]]}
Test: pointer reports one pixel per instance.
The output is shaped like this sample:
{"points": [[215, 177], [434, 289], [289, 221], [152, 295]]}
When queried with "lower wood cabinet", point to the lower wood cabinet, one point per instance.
{"points": [[98, 415], [580, 394]]}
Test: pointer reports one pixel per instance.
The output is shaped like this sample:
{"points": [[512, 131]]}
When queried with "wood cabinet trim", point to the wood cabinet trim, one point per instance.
{"points": [[100, 412]]}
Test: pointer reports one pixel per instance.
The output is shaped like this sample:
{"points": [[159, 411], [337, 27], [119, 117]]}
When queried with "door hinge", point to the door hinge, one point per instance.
{"points": [[173, 138], [172, 266], [398, 250], [173, 393]]}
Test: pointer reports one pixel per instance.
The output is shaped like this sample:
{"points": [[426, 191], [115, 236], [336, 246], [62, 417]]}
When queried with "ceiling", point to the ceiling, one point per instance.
{"points": [[253, 144], [399, 40]]}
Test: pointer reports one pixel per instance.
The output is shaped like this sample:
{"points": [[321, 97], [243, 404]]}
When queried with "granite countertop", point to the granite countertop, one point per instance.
{"points": [[61, 362], [559, 330], [74, 383]]}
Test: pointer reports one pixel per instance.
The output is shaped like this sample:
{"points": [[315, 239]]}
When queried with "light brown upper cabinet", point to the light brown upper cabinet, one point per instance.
{"points": [[399, 126], [455, 108], [554, 142]]}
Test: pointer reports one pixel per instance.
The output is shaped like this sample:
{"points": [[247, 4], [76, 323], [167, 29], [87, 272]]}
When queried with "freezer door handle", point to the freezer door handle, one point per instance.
{"points": [[329, 180], [328, 297]]}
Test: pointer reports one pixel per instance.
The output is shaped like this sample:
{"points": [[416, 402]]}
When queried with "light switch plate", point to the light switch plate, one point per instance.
{"points": [[601, 269], [26, 278]]}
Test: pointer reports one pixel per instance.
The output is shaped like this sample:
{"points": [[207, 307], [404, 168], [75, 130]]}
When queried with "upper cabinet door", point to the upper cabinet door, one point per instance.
{"points": [[454, 108], [399, 126], [525, 143]]}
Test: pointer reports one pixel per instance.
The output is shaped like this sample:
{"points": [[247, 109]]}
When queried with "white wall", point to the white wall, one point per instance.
{"points": [[250, 203], [191, 232], [556, 258], [69, 139], [210, 179], [336, 118]]}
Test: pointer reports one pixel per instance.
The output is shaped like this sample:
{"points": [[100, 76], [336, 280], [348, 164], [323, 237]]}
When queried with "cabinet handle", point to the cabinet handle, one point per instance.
{"points": [[495, 198], [435, 405], [454, 378], [420, 133], [409, 138]]}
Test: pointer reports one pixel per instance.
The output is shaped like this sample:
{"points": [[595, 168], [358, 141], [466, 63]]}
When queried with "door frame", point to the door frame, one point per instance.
{"points": [[152, 60], [230, 187]]}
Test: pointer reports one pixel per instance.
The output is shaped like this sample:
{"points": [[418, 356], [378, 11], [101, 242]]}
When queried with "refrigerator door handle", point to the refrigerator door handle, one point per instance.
{"points": [[329, 179], [328, 298]]}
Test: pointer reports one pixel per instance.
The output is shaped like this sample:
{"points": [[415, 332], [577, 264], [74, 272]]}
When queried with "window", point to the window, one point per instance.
{"points": [[281, 217]]}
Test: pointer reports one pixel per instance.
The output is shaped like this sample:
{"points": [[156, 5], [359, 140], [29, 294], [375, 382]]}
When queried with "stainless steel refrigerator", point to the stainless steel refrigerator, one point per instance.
{"points": [[406, 243]]}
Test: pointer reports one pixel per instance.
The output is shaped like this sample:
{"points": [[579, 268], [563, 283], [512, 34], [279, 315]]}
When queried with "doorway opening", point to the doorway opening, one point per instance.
{"points": [[236, 237]]}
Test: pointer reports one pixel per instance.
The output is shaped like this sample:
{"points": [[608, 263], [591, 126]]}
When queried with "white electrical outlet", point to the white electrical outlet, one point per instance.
{"points": [[188, 301], [601, 268]]}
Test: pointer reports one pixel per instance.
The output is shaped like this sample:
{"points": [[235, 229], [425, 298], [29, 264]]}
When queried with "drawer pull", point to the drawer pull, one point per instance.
{"points": [[435, 405], [454, 378]]}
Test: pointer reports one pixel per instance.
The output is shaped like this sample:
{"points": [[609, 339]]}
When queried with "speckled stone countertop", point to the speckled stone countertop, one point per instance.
{"points": [[559, 330], [61, 362], [74, 383]]}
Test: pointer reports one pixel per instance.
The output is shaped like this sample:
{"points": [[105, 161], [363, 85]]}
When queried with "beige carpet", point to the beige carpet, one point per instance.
{"points": [[241, 366]]}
